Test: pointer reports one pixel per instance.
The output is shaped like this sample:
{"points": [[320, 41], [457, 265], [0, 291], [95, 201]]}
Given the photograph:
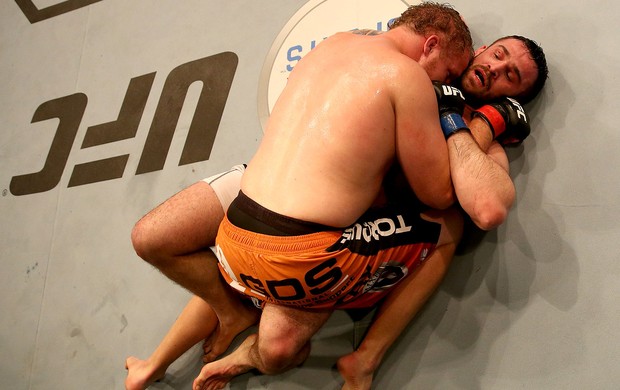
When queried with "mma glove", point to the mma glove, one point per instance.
{"points": [[507, 119], [451, 103]]}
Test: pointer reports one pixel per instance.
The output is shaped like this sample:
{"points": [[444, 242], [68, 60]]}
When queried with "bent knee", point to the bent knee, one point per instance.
{"points": [[144, 244], [276, 356], [138, 240]]}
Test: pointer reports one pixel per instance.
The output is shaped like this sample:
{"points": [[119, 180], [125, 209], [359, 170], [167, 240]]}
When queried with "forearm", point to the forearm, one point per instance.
{"points": [[483, 187], [481, 133]]}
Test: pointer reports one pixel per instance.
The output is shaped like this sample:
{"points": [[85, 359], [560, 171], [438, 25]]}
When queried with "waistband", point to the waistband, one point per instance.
{"points": [[245, 213], [306, 245]]}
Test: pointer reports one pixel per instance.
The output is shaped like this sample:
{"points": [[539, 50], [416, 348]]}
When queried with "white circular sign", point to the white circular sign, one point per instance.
{"points": [[314, 22]]}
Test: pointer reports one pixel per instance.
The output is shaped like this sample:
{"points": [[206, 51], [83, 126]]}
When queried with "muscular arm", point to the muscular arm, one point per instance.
{"points": [[420, 146], [480, 176]]}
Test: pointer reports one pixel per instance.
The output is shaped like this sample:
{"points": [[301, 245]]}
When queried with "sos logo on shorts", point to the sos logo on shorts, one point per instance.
{"points": [[315, 21]]}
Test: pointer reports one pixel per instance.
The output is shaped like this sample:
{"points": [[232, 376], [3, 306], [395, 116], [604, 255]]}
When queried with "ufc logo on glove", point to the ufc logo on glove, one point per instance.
{"points": [[449, 90]]}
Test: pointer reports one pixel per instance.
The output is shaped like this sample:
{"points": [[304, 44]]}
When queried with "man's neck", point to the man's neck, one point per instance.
{"points": [[407, 42]]}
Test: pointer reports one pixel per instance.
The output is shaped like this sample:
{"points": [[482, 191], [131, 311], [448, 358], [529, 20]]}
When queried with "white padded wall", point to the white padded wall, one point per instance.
{"points": [[91, 141]]}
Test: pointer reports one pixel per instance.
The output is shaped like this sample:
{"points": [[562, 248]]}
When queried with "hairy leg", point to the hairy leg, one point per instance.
{"points": [[175, 237], [401, 305], [282, 342]]}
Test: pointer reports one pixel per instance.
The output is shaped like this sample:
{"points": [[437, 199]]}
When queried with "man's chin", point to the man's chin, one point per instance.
{"points": [[474, 98]]}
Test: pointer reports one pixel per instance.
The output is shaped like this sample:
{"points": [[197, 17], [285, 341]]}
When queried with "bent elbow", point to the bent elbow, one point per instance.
{"points": [[490, 219], [491, 214]]}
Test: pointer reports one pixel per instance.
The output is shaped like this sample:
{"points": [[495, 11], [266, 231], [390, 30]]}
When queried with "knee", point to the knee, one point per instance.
{"points": [[278, 355], [143, 243]]}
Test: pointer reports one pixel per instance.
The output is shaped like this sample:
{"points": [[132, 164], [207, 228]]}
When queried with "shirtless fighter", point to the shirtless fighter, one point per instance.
{"points": [[301, 236], [494, 66]]}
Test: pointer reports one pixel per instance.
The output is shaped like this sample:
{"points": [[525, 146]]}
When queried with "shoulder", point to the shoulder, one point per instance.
{"points": [[412, 82]]}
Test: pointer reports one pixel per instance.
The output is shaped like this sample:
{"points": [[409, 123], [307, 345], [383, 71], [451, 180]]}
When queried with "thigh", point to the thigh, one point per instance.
{"points": [[183, 223], [290, 325], [189, 220]]}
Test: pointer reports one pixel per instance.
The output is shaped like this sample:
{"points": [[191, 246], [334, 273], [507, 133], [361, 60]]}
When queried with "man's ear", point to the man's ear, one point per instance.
{"points": [[480, 50], [431, 43]]}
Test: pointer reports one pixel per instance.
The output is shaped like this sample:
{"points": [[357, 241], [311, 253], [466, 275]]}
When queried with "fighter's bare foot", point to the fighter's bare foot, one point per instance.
{"points": [[217, 374], [356, 372], [141, 374], [226, 331]]}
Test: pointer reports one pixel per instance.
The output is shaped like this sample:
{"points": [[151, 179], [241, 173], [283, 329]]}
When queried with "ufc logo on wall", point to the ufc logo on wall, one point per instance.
{"points": [[216, 74], [35, 14]]}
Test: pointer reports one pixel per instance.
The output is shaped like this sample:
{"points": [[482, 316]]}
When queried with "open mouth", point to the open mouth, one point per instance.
{"points": [[481, 76]]}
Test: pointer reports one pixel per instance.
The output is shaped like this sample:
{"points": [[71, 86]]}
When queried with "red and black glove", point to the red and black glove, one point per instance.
{"points": [[507, 119]]}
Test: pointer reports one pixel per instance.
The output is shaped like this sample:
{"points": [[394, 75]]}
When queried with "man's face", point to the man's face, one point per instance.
{"points": [[502, 69]]}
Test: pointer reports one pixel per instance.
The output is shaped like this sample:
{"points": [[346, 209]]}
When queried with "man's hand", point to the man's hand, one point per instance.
{"points": [[451, 103], [507, 119]]}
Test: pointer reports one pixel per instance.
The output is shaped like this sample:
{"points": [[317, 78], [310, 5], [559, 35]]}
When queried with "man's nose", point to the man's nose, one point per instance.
{"points": [[495, 69]]}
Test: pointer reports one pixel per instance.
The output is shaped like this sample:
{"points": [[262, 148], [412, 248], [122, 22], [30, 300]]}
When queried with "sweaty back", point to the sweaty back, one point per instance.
{"points": [[330, 138]]}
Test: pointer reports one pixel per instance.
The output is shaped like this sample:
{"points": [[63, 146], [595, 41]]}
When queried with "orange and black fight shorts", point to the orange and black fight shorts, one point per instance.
{"points": [[277, 259]]}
